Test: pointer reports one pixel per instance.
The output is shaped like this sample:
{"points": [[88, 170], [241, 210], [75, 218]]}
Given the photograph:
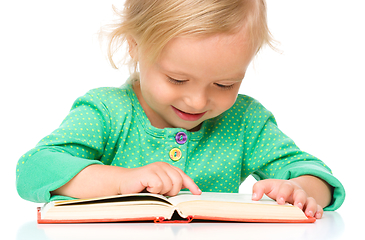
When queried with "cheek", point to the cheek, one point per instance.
{"points": [[225, 101], [165, 96], [158, 93]]}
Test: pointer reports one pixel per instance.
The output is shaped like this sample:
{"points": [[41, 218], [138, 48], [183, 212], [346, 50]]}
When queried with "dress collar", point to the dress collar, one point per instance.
{"points": [[157, 132]]}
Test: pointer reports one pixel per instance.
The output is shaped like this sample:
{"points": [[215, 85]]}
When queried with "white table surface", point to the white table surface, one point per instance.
{"points": [[332, 226], [346, 223]]}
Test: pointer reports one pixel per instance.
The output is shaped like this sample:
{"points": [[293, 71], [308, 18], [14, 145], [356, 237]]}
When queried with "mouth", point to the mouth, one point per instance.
{"points": [[188, 116]]}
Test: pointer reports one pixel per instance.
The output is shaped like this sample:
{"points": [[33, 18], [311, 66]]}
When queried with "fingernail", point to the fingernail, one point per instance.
{"points": [[310, 213], [300, 205], [318, 215], [281, 200], [254, 196]]}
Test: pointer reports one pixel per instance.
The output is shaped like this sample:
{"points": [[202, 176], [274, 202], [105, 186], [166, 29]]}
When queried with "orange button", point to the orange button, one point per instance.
{"points": [[175, 154]]}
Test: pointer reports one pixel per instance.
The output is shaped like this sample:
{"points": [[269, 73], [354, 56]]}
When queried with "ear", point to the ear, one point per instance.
{"points": [[133, 48]]}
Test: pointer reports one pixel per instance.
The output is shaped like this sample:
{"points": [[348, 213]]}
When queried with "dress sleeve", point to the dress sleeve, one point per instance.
{"points": [[276, 155], [77, 143]]}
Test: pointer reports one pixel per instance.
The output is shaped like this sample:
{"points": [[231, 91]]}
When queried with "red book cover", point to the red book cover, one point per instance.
{"points": [[163, 220]]}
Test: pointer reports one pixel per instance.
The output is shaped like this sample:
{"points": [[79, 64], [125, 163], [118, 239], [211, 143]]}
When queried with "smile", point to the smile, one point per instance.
{"points": [[188, 116]]}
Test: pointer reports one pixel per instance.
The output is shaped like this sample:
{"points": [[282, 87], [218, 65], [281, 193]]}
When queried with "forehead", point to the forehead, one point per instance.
{"points": [[214, 56]]}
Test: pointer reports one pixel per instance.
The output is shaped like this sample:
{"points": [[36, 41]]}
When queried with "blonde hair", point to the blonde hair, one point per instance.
{"points": [[153, 23]]}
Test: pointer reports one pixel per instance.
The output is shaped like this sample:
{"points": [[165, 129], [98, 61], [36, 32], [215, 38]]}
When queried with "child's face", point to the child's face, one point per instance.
{"points": [[194, 79]]}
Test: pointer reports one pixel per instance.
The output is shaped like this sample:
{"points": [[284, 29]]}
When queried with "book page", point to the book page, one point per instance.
{"points": [[234, 207], [116, 198], [220, 197]]}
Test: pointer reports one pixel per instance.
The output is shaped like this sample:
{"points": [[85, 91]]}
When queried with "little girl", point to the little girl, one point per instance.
{"points": [[179, 121]]}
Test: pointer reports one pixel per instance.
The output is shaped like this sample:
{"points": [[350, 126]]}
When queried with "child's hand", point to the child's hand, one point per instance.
{"points": [[160, 178], [287, 191]]}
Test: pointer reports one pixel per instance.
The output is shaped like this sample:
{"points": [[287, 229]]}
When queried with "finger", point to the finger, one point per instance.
{"points": [[299, 198], [155, 179], [262, 187], [286, 190], [177, 182], [188, 183], [319, 212], [167, 182], [153, 183], [310, 207]]}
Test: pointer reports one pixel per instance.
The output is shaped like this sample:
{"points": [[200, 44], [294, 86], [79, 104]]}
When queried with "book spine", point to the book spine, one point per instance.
{"points": [[163, 220]]}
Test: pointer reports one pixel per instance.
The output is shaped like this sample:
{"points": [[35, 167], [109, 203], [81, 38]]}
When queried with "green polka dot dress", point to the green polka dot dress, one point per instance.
{"points": [[108, 126]]}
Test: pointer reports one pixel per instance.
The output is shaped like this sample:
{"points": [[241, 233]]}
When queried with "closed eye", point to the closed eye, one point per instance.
{"points": [[224, 87], [175, 81], [179, 82]]}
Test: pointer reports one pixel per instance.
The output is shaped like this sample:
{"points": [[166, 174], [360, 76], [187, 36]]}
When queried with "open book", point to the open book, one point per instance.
{"points": [[181, 208]]}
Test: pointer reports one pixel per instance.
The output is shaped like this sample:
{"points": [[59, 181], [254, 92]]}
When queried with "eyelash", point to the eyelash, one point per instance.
{"points": [[179, 82], [224, 87], [175, 81]]}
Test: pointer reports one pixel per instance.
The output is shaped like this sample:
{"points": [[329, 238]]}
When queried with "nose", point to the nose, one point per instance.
{"points": [[197, 100]]}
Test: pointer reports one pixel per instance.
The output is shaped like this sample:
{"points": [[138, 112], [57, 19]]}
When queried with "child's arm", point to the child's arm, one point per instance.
{"points": [[103, 180], [309, 193], [270, 155]]}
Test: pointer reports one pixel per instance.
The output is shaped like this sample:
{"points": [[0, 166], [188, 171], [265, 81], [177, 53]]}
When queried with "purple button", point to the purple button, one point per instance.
{"points": [[181, 138]]}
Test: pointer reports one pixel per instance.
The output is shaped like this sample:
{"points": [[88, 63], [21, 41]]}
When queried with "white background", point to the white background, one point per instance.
{"points": [[50, 55]]}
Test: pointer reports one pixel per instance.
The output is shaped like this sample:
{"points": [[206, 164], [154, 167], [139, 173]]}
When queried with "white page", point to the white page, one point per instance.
{"points": [[224, 197]]}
